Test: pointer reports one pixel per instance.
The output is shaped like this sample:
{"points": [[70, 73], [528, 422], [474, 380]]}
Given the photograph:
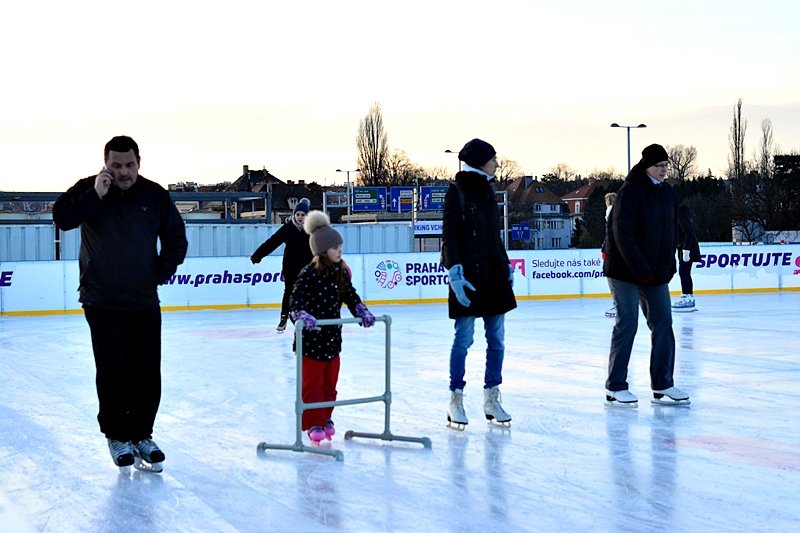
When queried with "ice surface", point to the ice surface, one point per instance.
{"points": [[730, 461]]}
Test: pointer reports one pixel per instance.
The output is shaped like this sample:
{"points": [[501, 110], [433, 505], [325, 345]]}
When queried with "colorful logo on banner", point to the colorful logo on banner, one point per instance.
{"points": [[518, 265], [387, 274]]}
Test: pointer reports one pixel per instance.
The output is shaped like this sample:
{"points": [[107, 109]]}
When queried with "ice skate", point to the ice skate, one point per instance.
{"points": [[685, 304], [148, 457], [621, 398], [282, 324], [612, 312], [316, 434], [456, 417], [122, 454], [670, 396], [329, 429], [493, 410]]}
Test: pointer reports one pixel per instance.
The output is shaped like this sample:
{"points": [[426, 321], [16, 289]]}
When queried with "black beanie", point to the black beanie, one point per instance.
{"points": [[653, 155], [476, 153]]}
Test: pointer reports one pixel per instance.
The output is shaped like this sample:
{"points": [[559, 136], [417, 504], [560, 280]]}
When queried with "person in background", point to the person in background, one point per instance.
{"points": [[296, 253], [481, 278], [639, 263], [123, 217], [321, 289], [609, 200], [688, 253]]}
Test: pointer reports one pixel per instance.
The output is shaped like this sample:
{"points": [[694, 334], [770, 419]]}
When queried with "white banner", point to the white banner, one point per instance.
{"points": [[40, 287]]}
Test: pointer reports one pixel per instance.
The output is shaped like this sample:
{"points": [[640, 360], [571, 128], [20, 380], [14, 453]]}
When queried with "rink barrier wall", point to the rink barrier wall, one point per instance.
{"points": [[50, 287]]}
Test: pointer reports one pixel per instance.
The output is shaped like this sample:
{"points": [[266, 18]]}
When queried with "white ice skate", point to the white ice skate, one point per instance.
{"points": [[685, 304], [147, 456], [493, 410], [670, 396], [612, 312], [456, 417], [122, 453], [621, 398]]}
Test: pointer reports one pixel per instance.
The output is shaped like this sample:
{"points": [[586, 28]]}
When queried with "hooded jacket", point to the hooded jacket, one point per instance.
{"points": [[640, 248], [471, 238]]}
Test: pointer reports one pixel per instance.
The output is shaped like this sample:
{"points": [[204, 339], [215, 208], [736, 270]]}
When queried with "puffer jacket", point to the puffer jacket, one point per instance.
{"points": [[640, 248], [471, 238]]}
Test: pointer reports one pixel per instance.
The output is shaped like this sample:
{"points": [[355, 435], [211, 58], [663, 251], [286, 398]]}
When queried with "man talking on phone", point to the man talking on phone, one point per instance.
{"points": [[122, 217]]}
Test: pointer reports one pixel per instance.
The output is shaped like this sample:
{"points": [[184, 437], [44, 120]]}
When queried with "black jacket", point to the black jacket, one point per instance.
{"points": [[640, 248], [471, 238], [296, 254], [686, 238], [120, 264], [319, 296]]}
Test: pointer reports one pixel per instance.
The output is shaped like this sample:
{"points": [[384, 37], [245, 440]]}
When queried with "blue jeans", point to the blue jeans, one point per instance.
{"points": [[657, 311], [494, 327]]}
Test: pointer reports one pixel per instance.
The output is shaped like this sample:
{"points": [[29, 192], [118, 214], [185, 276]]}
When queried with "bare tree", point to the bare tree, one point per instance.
{"points": [[766, 150], [563, 172], [736, 164], [401, 171], [373, 148], [507, 171], [682, 161]]}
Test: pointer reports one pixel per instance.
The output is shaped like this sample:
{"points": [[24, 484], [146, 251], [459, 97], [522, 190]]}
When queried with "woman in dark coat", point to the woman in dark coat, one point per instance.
{"points": [[639, 263], [688, 253], [480, 276], [296, 253]]}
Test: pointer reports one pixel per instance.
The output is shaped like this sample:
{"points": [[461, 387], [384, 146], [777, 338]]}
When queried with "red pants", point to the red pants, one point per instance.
{"points": [[319, 385]]}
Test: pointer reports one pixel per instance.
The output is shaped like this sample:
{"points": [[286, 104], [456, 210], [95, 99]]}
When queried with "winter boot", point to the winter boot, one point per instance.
{"points": [[282, 324], [492, 408], [621, 398], [456, 417]]}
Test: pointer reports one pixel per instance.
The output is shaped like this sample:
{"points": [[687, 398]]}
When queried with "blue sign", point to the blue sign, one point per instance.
{"points": [[521, 232], [432, 198], [402, 199], [367, 199]]}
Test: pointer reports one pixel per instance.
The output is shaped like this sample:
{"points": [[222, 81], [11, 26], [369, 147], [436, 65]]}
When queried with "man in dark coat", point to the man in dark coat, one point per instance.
{"points": [[296, 254], [639, 263], [481, 279], [688, 253], [123, 217]]}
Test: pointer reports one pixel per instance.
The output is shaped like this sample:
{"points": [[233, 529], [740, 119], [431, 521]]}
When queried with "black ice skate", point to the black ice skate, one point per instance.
{"points": [[147, 456], [282, 324], [122, 454]]}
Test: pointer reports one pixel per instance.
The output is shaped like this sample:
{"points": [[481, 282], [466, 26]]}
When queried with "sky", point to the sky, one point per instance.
{"points": [[208, 88]]}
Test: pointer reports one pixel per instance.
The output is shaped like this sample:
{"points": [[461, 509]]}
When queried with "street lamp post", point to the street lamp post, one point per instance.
{"points": [[615, 125], [349, 190], [448, 151]]}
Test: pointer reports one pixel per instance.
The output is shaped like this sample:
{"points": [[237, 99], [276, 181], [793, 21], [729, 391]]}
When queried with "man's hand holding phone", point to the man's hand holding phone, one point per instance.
{"points": [[102, 182]]}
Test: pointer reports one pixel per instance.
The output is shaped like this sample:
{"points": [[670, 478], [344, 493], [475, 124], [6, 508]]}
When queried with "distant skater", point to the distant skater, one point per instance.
{"points": [[688, 253], [481, 278], [609, 199], [296, 253], [639, 263], [123, 218], [321, 289]]}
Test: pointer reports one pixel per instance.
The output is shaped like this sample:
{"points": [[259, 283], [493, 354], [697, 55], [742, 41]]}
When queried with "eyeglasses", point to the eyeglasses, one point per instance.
{"points": [[662, 165]]}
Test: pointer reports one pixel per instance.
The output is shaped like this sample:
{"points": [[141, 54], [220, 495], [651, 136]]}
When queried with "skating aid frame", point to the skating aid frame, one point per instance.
{"points": [[301, 406]]}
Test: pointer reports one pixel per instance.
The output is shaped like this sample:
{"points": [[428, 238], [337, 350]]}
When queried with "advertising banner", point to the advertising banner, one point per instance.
{"points": [[40, 287]]}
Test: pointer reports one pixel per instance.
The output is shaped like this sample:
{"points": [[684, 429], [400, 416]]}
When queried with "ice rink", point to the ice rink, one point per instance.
{"points": [[728, 462]]}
